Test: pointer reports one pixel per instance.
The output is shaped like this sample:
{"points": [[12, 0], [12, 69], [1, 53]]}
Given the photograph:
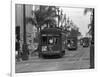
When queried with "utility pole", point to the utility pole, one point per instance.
{"points": [[25, 54], [93, 26], [92, 43]]}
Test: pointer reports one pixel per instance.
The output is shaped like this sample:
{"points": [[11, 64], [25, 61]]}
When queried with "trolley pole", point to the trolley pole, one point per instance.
{"points": [[25, 54]]}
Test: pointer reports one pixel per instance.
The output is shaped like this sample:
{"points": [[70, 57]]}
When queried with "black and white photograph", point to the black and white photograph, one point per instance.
{"points": [[53, 38]]}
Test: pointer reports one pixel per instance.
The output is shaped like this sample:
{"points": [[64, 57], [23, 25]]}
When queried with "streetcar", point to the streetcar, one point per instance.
{"points": [[85, 42], [52, 42], [72, 43]]}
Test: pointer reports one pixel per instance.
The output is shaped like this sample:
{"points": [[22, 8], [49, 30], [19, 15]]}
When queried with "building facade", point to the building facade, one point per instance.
{"points": [[30, 28]]}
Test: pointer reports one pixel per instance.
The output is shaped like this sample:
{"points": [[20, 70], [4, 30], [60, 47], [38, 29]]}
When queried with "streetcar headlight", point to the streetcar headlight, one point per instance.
{"points": [[83, 43], [44, 48], [68, 45]]}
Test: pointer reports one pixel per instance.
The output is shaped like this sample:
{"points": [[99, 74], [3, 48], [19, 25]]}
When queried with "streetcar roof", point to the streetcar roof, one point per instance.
{"points": [[49, 35], [51, 30]]}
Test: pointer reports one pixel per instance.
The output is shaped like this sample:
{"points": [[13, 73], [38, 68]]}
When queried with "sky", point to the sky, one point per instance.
{"points": [[78, 18]]}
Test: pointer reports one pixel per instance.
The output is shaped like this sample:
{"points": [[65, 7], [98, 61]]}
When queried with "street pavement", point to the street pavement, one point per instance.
{"points": [[72, 60]]}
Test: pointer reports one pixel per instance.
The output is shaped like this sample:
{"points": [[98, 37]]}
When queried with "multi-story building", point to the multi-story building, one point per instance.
{"points": [[30, 28]]}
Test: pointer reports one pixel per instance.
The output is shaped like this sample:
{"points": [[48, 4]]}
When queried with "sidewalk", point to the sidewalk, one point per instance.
{"points": [[31, 59]]}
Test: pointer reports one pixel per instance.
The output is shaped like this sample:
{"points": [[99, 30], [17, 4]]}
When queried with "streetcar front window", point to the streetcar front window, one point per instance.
{"points": [[68, 41], [49, 40], [71, 41], [44, 40], [52, 40]]}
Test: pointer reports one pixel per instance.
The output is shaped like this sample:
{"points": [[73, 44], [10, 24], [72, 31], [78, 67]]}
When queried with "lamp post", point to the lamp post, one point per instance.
{"points": [[25, 52]]}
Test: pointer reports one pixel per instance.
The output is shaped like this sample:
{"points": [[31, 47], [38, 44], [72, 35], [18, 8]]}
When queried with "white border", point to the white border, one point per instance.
{"points": [[38, 2], [13, 40]]}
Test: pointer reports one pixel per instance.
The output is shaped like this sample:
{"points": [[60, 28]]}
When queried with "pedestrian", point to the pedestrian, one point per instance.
{"points": [[18, 55]]}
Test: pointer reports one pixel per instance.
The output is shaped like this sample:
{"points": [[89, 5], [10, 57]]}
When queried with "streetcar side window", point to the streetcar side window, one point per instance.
{"points": [[68, 41]]}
